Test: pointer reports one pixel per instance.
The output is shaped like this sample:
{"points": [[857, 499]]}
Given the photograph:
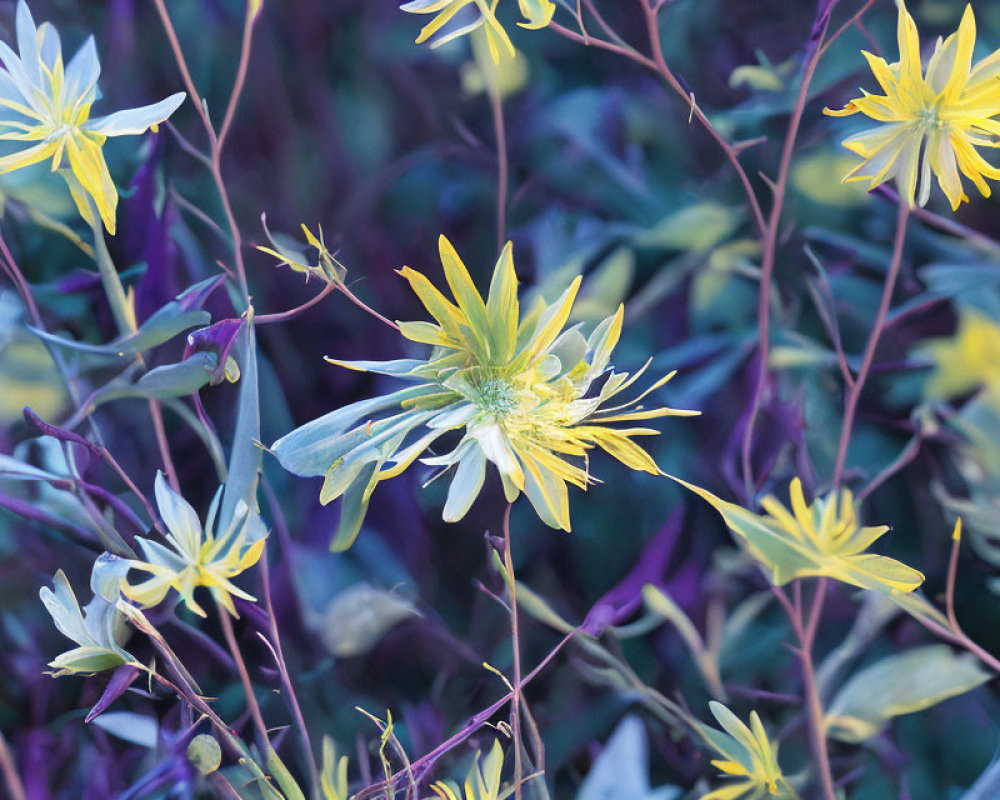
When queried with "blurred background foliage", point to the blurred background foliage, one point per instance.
{"points": [[347, 124]]}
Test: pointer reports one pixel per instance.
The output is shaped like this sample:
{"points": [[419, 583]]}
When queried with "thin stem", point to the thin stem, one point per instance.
{"points": [[113, 463], [121, 309], [806, 635], [15, 787], [843, 28], [500, 133], [854, 393], [178, 52], [366, 308], [13, 271], [281, 316], [216, 140], [515, 706], [590, 41], [816, 725], [476, 722], [286, 681], [905, 457], [161, 442], [241, 668], [770, 247], [658, 65], [656, 46], [241, 75]]}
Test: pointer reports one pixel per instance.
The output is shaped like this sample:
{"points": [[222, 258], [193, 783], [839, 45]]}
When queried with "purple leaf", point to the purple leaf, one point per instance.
{"points": [[77, 281], [823, 12], [625, 598], [147, 235], [218, 338], [194, 297], [43, 428], [121, 679]]}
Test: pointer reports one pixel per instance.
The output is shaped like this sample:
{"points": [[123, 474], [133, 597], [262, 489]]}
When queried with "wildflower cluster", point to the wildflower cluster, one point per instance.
{"points": [[520, 386]]}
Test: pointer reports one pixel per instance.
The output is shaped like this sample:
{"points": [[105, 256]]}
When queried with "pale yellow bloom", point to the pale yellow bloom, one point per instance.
{"points": [[530, 398], [932, 121], [748, 755], [45, 107], [819, 539], [966, 361], [456, 18], [196, 556]]}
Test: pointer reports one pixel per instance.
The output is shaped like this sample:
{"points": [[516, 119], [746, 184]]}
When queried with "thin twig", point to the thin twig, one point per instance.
{"points": [[476, 722], [161, 442], [770, 247], [854, 393], [653, 27], [843, 28], [658, 65], [515, 705], [281, 316], [365, 307], [806, 635], [500, 133], [15, 787], [263, 742], [288, 690]]}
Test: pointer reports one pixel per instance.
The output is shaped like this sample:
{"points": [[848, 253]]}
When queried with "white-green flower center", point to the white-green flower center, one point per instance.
{"points": [[497, 397], [929, 118]]}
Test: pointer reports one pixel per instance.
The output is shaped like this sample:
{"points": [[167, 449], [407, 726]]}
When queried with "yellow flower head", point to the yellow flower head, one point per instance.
{"points": [[823, 538], [529, 397], [455, 18], [482, 782], [931, 122], [198, 557], [966, 361], [747, 754], [45, 106]]}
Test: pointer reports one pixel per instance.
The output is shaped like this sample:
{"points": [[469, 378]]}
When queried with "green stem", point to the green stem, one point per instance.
{"points": [[515, 705], [120, 309]]}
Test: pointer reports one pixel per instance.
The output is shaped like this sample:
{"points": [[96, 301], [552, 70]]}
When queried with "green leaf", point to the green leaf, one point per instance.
{"points": [[353, 508], [170, 380], [697, 227], [535, 605], [245, 456], [359, 617], [283, 777], [130, 727], [163, 326], [901, 684]]}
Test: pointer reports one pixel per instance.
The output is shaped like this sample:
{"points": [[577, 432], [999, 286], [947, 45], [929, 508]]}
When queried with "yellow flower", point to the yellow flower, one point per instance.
{"points": [[746, 753], [98, 630], [456, 18], [46, 105], [823, 539], [198, 557], [966, 361], [333, 775], [482, 782], [292, 253], [931, 122], [529, 397]]}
